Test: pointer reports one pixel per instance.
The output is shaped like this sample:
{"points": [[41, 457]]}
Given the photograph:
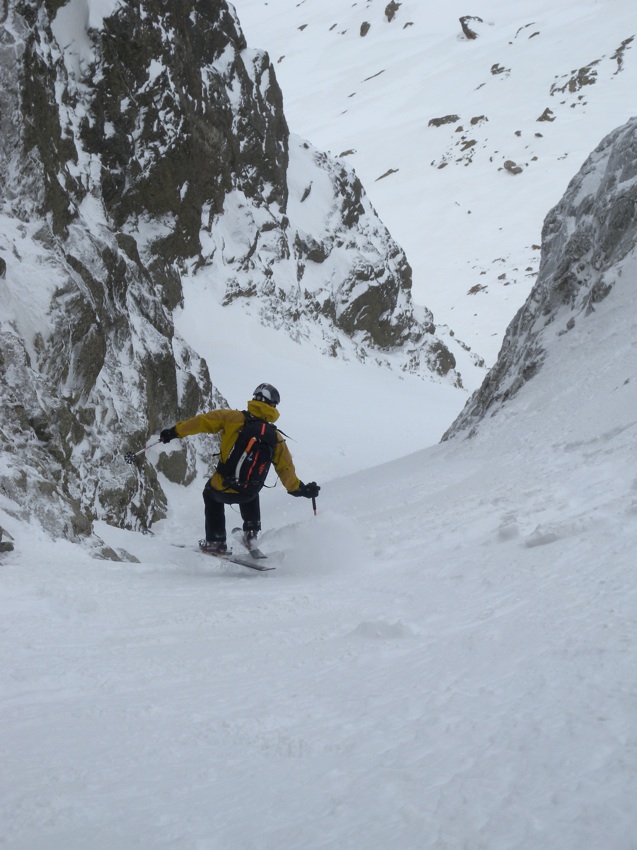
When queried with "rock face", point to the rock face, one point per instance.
{"points": [[586, 239], [142, 146], [469, 26]]}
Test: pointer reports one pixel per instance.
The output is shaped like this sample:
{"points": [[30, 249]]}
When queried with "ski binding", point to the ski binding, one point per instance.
{"points": [[252, 548]]}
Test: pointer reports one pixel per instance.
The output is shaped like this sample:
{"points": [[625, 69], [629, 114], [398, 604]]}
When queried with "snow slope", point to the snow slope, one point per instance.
{"points": [[444, 657], [467, 225]]}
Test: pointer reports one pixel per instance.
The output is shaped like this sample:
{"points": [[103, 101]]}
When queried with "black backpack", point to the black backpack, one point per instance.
{"points": [[248, 463]]}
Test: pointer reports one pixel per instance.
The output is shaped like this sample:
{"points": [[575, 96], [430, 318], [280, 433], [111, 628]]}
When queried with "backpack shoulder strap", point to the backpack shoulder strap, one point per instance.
{"points": [[249, 417]]}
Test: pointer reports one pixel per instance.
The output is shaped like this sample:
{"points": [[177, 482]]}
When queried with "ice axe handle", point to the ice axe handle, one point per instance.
{"points": [[130, 457]]}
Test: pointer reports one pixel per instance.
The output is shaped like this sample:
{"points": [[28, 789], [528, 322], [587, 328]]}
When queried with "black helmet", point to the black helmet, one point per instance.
{"points": [[268, 394]]}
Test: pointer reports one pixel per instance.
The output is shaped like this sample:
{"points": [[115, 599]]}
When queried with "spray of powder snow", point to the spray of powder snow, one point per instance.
{"points": [[321, 545]]}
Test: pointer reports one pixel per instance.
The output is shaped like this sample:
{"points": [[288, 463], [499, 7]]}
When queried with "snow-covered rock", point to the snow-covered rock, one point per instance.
{"points": [[588, 243], [463, 144], [143, 145]]}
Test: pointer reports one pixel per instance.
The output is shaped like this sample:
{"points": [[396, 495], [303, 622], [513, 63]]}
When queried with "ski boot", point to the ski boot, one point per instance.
{"points": [[214, 547]]}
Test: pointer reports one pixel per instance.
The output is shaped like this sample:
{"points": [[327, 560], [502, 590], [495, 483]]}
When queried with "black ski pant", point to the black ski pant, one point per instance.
{"points": [[215, 502]]}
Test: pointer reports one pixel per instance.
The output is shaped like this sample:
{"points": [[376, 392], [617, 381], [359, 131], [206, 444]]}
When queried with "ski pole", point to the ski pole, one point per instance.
{"points": [[314, 504], [130, 457]]}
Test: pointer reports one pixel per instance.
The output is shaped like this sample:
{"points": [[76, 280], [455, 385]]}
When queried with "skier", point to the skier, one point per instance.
{"points": [[225, 488]]}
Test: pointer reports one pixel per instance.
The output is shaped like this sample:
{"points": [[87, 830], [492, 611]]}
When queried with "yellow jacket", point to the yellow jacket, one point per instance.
{"points": [[229, 423]]}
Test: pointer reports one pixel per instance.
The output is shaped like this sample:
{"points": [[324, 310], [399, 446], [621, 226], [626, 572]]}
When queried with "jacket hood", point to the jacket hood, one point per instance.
{"points": [[263, 411]]}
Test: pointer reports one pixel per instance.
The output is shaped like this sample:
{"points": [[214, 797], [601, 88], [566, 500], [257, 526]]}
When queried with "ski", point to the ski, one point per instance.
{"points": [[252, 548], [233, 559]]}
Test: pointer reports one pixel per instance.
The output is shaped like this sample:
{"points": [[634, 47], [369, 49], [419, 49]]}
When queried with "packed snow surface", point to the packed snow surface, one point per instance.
{"points": [[444, 656]]}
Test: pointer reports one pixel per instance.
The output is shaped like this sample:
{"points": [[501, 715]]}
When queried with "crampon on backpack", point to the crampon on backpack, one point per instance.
{"points": [[248, 463]]}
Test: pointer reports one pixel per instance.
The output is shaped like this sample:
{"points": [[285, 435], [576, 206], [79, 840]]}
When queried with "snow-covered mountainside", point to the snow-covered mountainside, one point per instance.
{"points": [[443, 658], [463, 143], [589, 245], [144, 150]]}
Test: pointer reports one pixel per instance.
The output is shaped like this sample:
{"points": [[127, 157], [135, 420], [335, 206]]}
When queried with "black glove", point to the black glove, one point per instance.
{"points": [[309, 491], [168, 434]]}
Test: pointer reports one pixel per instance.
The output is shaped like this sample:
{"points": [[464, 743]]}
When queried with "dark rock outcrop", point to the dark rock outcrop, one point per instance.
{"points": [[391, 9], [468, 24]]}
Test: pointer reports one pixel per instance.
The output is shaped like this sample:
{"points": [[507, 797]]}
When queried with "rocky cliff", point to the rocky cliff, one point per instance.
{"points": [[142, 145], [588, 241]]}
